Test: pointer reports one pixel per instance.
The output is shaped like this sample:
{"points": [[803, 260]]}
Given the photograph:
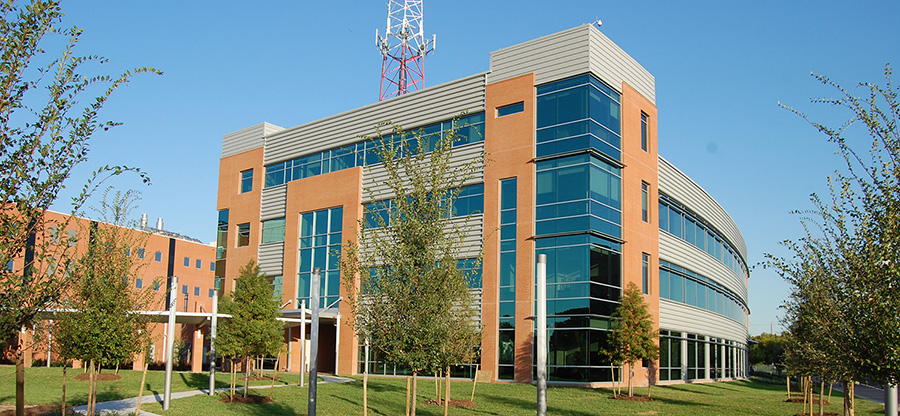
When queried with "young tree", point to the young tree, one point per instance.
{"points": [[846, 267], [411, 301], [44, 135], [632, 333], [253, 329], [104, 328]]}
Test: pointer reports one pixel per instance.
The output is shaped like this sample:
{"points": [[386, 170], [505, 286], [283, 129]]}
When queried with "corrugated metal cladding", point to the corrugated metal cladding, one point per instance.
{"points": [[676, 184], [413, 110], [247, 139], [571, 52], [375, 185], [471, 229], [680, 252], [273, 202], [674, 316], [271, 259]]}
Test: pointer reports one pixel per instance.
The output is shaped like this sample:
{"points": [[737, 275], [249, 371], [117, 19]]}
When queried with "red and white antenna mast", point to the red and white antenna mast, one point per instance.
{"points": [[403, 49]]}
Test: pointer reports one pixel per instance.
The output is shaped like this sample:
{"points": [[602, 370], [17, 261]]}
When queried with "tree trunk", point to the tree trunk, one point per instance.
{"points": [[830, 388], [415, 382], [788, 378], [90, 368], [20, 380], [612, 370], [437, 386], [233, 382], [366, 393], [137, 410], [822, 397], [94, 387], [630, 380], [64, 389], [274, 371], [447, 393], [247, 363]]}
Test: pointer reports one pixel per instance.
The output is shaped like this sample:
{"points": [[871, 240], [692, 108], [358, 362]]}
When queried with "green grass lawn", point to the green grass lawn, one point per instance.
{"points": [[387, 396], [44, 385]]}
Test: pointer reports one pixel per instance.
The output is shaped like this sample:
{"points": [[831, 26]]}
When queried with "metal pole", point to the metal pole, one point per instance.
{"points": [[170, 340], [890, 399], [314, 341], [302, 340], [542, 335], [49, 341], [212, 342]]}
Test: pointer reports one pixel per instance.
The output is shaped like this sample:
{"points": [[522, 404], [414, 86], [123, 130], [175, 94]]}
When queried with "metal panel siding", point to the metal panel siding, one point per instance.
{"points": [[676, 184], [273, 202], [413, 110], [375, 185], [471, 228], [674, 316], [271, 259], [680, 252], [615, 66], [247, 139], [572, 52]]}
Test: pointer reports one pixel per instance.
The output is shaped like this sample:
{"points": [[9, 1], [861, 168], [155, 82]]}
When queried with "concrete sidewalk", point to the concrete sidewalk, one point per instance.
{"points": [[127, 406]]}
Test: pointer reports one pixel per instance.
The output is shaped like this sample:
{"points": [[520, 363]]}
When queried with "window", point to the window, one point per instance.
{"points": [[222, 234], [272, 231], [199, 263], [156, 286], [243, 235], [645, 202], [510, 109], [246, 181], [184, 289], [54, 234], [138, 283], [211, 292], [140, 253], [212, 266], [196, 291], [645, 273], [158, 256], [127, 251], [187, 262], [73, 237], [645, 131], [320, 246]]}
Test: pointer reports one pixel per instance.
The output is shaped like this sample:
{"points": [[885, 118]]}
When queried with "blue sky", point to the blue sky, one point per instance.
{"points": [[721, 68]]}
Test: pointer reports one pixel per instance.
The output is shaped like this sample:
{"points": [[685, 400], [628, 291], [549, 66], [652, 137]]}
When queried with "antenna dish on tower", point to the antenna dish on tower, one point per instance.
{"points": [[403, 49]]}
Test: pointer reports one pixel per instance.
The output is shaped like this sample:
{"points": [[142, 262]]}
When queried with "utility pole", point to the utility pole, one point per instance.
{"points": [[212, 341]]}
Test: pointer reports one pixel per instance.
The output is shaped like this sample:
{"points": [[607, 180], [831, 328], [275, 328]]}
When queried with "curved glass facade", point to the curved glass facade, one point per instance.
{"points": [[683, 223]]}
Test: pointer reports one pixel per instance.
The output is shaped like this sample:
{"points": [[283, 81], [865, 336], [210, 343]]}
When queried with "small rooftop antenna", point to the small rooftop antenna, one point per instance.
{"points": [[403, 49]]}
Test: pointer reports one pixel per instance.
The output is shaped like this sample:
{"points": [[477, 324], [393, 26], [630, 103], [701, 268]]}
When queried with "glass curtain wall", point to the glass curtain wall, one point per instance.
{"points": [[507, 295], [320, 246], [578, 221]]}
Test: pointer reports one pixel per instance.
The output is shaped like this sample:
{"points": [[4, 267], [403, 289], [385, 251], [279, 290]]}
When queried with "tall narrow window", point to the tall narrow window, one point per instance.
{"points": [[157, 256], [645, 201], [243, 235], [246, 181], [221, 234], [645, 131], [507, 286], [645, 273]]}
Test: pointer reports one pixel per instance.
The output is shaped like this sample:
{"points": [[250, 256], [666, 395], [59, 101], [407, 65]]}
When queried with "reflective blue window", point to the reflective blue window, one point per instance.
{"points": [[510, 109], [507, 278], [576, 114], [577, 193], [320, 246], [470, 129], [246, 181], [683, 285]]}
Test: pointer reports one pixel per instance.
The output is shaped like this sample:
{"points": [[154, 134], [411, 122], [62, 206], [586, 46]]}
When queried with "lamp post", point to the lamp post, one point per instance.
{"points": [[170, 340], [541, 276], [314, 341]]}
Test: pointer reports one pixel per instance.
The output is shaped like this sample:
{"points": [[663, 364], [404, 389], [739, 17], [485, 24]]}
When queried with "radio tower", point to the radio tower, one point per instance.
{"points": [[403, 49]]}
